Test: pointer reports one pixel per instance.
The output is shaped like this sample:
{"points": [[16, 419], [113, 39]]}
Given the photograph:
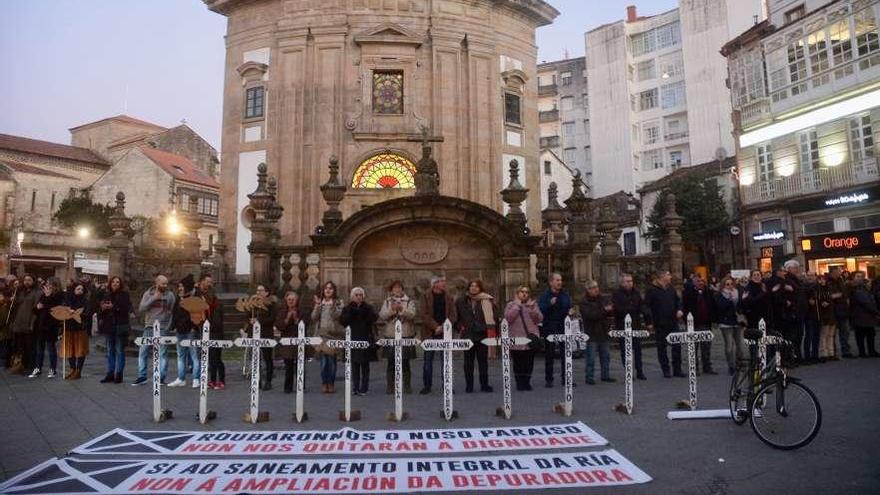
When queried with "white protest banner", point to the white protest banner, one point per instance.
{"points": [[359, 475], [346, 441]]}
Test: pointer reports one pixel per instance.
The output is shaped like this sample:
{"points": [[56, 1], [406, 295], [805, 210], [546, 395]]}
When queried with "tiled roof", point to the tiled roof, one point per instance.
{"points": [[124, 119], [46, 148], [179, 167], [708, 168], [30, 169]]}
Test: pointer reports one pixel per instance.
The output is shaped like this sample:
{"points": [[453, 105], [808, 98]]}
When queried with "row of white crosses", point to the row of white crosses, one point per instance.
{"points": [[156, 341], [398, 343]]}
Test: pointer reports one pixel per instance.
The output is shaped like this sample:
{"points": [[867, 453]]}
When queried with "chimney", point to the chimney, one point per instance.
{"points": [[631, 15]]}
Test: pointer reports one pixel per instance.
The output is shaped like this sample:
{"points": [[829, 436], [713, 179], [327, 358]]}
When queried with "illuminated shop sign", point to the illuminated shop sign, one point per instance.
{"points": [[768, 236], [863, 240], [848, 199]]}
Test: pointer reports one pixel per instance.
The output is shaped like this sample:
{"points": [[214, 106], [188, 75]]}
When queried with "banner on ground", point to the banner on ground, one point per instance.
{"points": [[346, 441], [349, 475]]}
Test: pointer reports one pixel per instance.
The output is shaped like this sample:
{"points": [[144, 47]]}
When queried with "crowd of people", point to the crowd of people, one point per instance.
{"points": [[815, 313]]}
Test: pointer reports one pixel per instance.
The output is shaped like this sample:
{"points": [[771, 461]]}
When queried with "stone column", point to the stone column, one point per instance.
{"points": [[333, 192], [262, 230], [118, 246], [581, 236], [672, 248], [609, 258], [514, 195], [552, 219]]}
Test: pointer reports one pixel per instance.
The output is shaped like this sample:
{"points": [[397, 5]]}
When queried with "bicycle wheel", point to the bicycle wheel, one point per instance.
{"points": [[739, 395], [786, 417]]}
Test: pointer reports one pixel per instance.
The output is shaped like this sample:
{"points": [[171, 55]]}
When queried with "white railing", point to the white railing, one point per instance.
{"points": [[823, 179], [755, 110]]}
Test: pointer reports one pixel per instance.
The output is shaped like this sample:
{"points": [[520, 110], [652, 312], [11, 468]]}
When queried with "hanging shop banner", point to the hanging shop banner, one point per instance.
{"points": [[346, 441], [353, 475]]}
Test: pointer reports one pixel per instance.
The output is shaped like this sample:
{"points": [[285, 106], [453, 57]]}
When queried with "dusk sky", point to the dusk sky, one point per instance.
{"points": [[68, 62]]}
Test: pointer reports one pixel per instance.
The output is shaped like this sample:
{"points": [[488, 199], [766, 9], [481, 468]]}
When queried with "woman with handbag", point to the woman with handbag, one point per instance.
{"points": [[523, 316]]}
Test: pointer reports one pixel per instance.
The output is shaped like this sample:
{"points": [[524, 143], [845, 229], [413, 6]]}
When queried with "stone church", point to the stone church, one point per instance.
{"points": [[368, 82]]}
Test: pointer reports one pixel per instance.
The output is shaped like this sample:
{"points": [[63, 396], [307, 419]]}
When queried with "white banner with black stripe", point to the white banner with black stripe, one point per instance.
{"points": [[347, 475]]}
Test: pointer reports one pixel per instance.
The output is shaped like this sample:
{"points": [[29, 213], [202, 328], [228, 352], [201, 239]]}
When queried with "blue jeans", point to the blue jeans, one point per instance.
{"points": [[42, 344], [328, 369], [811, 339], [604, 349], [115, 352], [146, 351], [187, 355], [428, 367]]}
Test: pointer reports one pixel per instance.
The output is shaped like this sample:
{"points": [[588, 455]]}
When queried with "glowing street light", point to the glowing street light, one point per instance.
{"points": [[172, 224], [83, 232]]}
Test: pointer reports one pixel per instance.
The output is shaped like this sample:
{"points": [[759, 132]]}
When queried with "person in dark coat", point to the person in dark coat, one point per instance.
{"points": [[627, 300], [755, 302], [476, 314], [113, 322], [727, 302], [214, 314], [184, 327], [76, 342], [360, 316], [863, 315], [437, 307], [663, 312], [24, 299], [555, 305], [789, 308], [840, 297], [46, 327], [267, 319], [287, 318], [699, 301], [595, 313]]}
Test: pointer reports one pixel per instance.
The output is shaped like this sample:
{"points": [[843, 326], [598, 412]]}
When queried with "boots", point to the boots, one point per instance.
{"points": [[77, 374], [331, 388], [117, 378], [69, 375], [108, 378]]}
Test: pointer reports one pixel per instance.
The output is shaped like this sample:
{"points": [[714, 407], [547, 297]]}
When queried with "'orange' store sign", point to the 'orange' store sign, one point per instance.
{"points": [[865, 240]]}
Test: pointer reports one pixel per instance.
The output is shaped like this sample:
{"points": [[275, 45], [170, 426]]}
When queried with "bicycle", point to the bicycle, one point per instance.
{"points": [[784, 413]]}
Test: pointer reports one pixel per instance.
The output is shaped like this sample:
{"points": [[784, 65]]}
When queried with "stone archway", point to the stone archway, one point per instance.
{"points": [[412, 238]]}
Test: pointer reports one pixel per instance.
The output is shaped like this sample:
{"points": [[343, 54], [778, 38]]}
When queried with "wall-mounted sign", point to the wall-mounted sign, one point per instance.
{"points": [[844, 242], [848, 199], [768, 236], [772, 251]]}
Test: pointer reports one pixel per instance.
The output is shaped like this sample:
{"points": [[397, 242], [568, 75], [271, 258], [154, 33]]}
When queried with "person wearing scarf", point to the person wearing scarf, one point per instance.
{"points": [[360, 316], [523, 316], [476, 321], [398, 307], [727, 302], [76, 344], [287, 319]]}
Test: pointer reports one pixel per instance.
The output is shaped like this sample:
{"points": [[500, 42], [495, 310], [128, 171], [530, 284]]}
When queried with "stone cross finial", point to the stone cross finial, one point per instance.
{"points": [[333, 193], [553, 196], [514, 195]]}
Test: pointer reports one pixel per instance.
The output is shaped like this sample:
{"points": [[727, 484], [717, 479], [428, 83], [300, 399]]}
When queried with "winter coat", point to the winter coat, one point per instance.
{"points": [[115, 321], [755, 305], [810, 294], [472, 320], [693, 299], [23, 310], [214, 314], [627, 302], [429, 324], [825, 305], [840, 289], [158, 306], [407, 316], [554, 314], [595, 318], [783, 302], [725, 309], [47, 326], [662, 304], [522, 321], [287, 328], [862, 307], [5, 320], [326, 318], [267, 318], [361, 319]]}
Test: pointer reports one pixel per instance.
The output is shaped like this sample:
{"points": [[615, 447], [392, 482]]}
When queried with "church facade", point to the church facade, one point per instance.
{"points": [[367, 81]]}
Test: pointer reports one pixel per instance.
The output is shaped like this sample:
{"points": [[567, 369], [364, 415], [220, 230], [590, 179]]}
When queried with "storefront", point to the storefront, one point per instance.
{"points": [[771, 257], [852, 251]]}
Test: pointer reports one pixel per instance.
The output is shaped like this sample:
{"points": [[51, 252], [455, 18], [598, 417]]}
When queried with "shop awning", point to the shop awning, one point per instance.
{"points": [[93, 267], [38, 260]]}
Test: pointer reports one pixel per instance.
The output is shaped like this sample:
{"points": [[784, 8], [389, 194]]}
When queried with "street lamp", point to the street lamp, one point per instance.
{"points": [[173, 224], [83, 232]]}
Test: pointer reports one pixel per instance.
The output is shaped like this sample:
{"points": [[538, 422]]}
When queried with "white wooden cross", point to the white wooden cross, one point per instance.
{"points": [[157, 342], [255, 343], [763, 342], [505, 341], [691, 338], [447, 344], [347, 414], [205, 345], [301, 341], [570, 339], [627, 334], [398, 343]]}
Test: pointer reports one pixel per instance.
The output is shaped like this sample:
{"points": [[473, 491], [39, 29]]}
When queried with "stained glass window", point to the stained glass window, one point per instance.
{"points": [[388, 91], [384, 170]]}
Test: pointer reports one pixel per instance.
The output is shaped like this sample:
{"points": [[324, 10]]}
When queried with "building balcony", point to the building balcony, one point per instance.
{"points": [[550, 142], [548, 90], [825, 179], [548, 116], [675, 136], [754, 112]]}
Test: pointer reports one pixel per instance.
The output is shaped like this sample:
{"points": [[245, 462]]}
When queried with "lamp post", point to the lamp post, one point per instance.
{"points": [[83, 233]]}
